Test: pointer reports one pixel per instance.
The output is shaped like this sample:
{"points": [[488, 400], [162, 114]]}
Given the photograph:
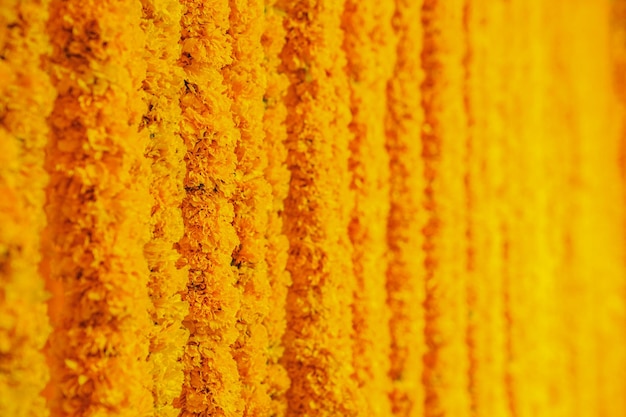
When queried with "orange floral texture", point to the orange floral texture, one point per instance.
{"points": [[255, 208]]}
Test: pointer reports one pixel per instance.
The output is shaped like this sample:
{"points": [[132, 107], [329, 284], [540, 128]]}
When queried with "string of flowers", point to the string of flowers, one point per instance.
{"points": [[369, 45], [405, 290], [277, 175], [603, 141], [486, 315], [212, 384], [444, 142], [512, 87], [529, 376], [319, 337], [26, 98], [97, 206], [252, 202], [165, 153]]}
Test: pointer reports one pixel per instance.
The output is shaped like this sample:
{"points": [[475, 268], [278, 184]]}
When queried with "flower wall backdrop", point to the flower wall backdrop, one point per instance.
{"points": [[312, 208]]}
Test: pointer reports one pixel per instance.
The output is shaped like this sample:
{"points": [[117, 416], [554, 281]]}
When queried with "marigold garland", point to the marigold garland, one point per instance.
{"points": [[252, 203], [528, 360], [97, 208], [487, 327], [405, 293], [277, 176], [212, 383], [161, 122], [26, 98], [369, 46], [617, 40], [599, 192], [297, 208], [318, 341], [444, 141]]}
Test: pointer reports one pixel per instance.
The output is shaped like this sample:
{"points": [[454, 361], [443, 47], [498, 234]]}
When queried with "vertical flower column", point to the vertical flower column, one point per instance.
{"points": [[444, 144], [405, 270], [212, 384], [277, 174], [369, 45], [252, 201], [618, 57], [599, 245], [530, 280], [26, 99], [98, 206], [577, 320], [514, 122], [484, 103], [319, 338], [572, 306], [165, 152]]}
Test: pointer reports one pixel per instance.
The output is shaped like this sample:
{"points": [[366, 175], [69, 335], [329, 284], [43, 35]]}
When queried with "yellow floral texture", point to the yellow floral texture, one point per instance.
{"points": [[285, 208]]}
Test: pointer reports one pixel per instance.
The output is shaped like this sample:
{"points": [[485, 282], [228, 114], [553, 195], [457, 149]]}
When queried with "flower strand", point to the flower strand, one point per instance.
{"points": [[319, 337], [444, 141], [98, 206], [406, 270], [26, 99], [277, 175], [212, 384], [369, 45], [162, 117], [252, 202]]}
